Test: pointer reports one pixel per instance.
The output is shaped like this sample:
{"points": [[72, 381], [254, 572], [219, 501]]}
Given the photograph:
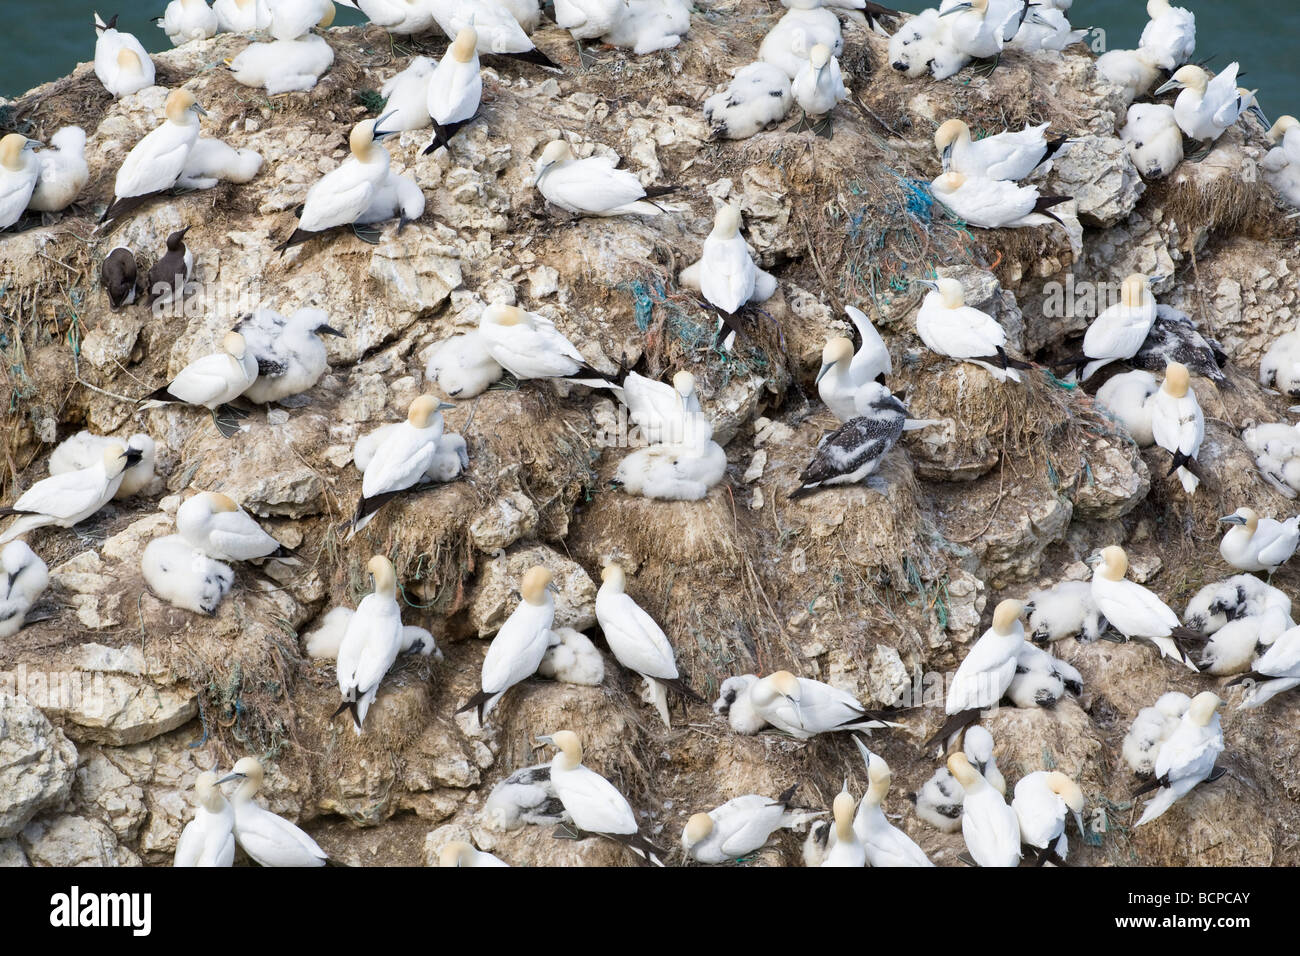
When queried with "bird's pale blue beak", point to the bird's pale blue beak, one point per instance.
{"points": [[826, 367], [1171, 85], [1232, 519], [233, 776], [955, 8]]}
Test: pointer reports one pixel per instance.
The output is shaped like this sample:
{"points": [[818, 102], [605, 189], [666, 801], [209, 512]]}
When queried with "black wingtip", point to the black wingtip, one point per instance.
{"points": [[536, 57]]}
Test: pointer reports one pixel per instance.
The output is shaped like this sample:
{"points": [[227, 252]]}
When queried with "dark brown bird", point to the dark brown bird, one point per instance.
{"points": [[118, 276], [169, 274]]}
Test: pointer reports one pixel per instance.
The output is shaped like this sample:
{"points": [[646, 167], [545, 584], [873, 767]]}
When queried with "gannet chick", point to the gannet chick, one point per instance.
{"points": [[1242, 595], [991, 204], [63, 171], [398, 197], [25, 578], [371, 643], [1252, 543], [592, 186], [400, 17], [169, 276], [977, 745], [951, 328], [1178, 424], [186, 20], [1133, 71], [1127, 399], [499, 33], [637, 642], [1205, 107], [211, 382], [661, 411], [1169, 38], [268, 838], [648, 26], [1276, 448], [291, 357], [83, 450], [183, 576], [680, 472], [463, 366], [1132, 610], [986, 672], [157, 161], [1041, 802], [1046, 29], [854, 451], [818, 88], [283, 66], [884, 843], [1003, 156], [799, 706], [571, 658], [737, 828], [242, 16], [526, 796], [990, 827], [788, 44], [1187, 757], [1232, 648], [847, 849], [1275, 671], [1042, 678], [459, 853], [401, 458], [291, 19], [454, 89], [19, 172], [1150, 729], [208, 839], [528, 345], [215, 524], [1154, 141], [1065, 610], [121, 63], [66, 499], [1280, 366], [519, 645], [938, 802], [726, 274], [406, 95], [211, 161], [118, 276], [757, 96]]}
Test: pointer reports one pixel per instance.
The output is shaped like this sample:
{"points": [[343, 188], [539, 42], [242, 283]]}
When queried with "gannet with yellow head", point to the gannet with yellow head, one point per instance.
{"points": [[212, 382], [66, 499], [121, 63], [519, 644], [1135, 612], [267, 837], [371, 643], [215, 524], [989, 826], [1187, 757], [1252, 543], [1178, 424]]}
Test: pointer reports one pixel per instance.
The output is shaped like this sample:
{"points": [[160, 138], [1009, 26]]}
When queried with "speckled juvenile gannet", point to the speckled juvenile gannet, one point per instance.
{"points": [[986, 672], [885, 844], [291, 357], [462, 365], [990, 827], [757, 96], [19, 172], [455, 89], [371, 643], [186, 20], [283, 66], [1127, 399], [726, 274], [64, 500], [209, 838], [1133, 611], [1275, 671], [949, 327], [789, 42], [592, 186], [572, 658], [172, 272], [184, 576], [854, 451], [242, 16], [1187, 757], [84, 450], [938, 802], [1205, 107], [1175, 338], [1041, 802], [121, 63], [25, 577], [406, 95], [63, 171], [1153, 139], [650, 25], [528, 345], [1150, 729], [119, 277], [1252, 543], [519, 645], [211, 381], [1003, 156], [401, 459], [737, 828], [215, 524], [1178, 424], [460, 853], [992, 204], [1065, 610], [212, 161], [799, 706], [1119, 331], [1169, 38], [267, 837], [157, 161], [663, 412], [1232, 648], [525, 797], [818, 88], [497, 29]]}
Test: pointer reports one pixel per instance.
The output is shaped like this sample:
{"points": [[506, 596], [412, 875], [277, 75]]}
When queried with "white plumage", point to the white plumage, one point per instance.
{"points": [[846, 849], [283, 66], [268, 838], [1187, 757], [213, 380], [1042, 800], [402, 17], [370, 644], [291, 357], [525, 797], [989, 826], [528, 345], [121, 62], [459, 853], [456, 85], [291, 19], [678, 472], [463, 366], [990, 204], [1065, 610], [1131, 609], [24, 580], [157, 161], [345, 193], [728, 277], [405, 451], [519, 644], [591, 186], [242, 16], [407, 95], [1252, 543], [757, 96], [788, 44], [184, 576], [186, 20], [951, 328], [496, 28], [1232, 648], [1046, 29], [988, 668], [83, 450], [1205, 107], [1280, 366], [648, 26], [1133, 71], [63, 171], [1177, 422], [66, 499], [324, 642], [1042, 678], [1153, 139], [1127, 398], [938, 802], [211, 161], [818, 86], [589, 19], [736, 828], [978, 748], [798, 706], [664, 413], [19, 172], [209, 838], [635, 640], [1009, 156], [924, 44], [884, 843], [1281, 663], [1242, 595], [1149, 730], [1169, 38], [217, 526], [571, 658]]}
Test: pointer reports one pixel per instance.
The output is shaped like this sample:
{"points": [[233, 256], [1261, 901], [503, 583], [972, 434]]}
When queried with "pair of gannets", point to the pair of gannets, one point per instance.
{"points": [[1232, 648], [324, 642], [187, 20], [371, 643], [1186, 757], [1252, 543], [156, 162], [290, 354], [84, 450], [854, 451], [951, 328], [593, 186], [789, 44], [938, 802], [798, 706], [121, 63], [212, 382], [1206, 107], [283, 66], [402, 457], [66, 499], [528, 345], [215, 524], [23, 580], [520, 643], [462, 365], [664, 412], [63, 171], [1003, 156], [844, 371], [738, 827], [726, 274]]}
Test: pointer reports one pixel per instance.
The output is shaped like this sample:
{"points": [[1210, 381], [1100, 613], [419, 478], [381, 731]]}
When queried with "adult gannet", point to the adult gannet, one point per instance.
{"points": [[981, 28], [788, 44], [1127, 398], [291, 357], [519, 644], [757, 96], [1046, 28], [186, 20], [951, 328], [291, 19], [1252, 543], [924, 44], [993, 204], [1169, 38], [986, 672], [324, 642], [1133, 71], [737, 828], [454, 89], [1065, 610], [1187, 757], [450, 459], [19, 171], [212, 381], [157, 161], [726, 274], [885, 844], [847, 849], [1175, 338], [66, 499], [854, 451], [1232, 648], [401, 17], [283, 66], [208, 839], [527, 796], [663, 412], [63, 171], [818, 88], [1119, 331], [572, 658], [798, 706], [1178, 424], [371, 643], [528, 345], [592, 186], [462, 365], [680, 472], [25, 577], [84, 450], [497, 30], [1205, 107], [268, 838], [215, 524], [401, 459], [184, 576], [1275, 671], [406, 95], [1003, 156], [398, 197], [121, 63], [1042, 678], [242, 16], [1041, 802], [172, 272], [1242, 595], [1132, 610], [1150, 729], [118, 276], [990, 827], [460, 853]]}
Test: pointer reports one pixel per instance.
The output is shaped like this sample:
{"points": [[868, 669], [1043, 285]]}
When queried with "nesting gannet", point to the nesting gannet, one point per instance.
{"points": [[589, 19], [1205, 107], [66, 499], [19, 171], [1169, 38], [1276, 448], [463, 366], [1003, 156], [1232, 648], [1132, 610], [986, 672], [402, 17], [1042, 678], [186, 20], [460, 853], [788, 44], [454, 89], [1242, 595], [528, 345], [1285, 134], [846, 849], [283, 66], [951, 328], [885, 844], [1178, 424], [592, 186], [981, 28], [1133, 71], [290, 355], [63, 171], [1252, 543], [525, 797], [726, 274], [157, 161], [1127, 399], [994, 204], [172, 272], [1153, 139], [519, 644], [757, 96], [291, 19], [121, 63], [1175, 338], [990, 827], [268, 838], [211, 161], [25, 577], [571, 658], [398, 197], [212, 382], [737, 828], [371, 643], [799, 706], [406, 95], [498, 31], [924, 44], [118, 276], [242, 16], [406, 452], [1280, 366], [679, 472], [1274, 671], [84, 450], [854, 451], [449, 460], [208, 839], [647, 26], [663, 412], [1046, 28], [1065, 610], [818, 88], [528, 13], [215, 524], [1150, 729], [324, 642], [938, 802], [1119, 331], [1186, 757], [184, 576], [1041, 802]]}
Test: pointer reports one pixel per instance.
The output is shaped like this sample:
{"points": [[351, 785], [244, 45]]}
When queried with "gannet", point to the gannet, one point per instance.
{"points": [[449, 460], [462, 365], [1178, 424], [118, 276], [885, 844], [215, 524], [497, 30], [924, 44], [519, 644], [1169, 38], [1046, 29], [402, 17], [1127, 399], [528, 345], [183, 576], [980, 28], [1285, 135], [737, 828], [121, 63], [186, 20], [1252, 543], [1133, 71], [66, 499], [757, 96], [1119, 331], [460, 853], [589, 19], [1042, 678], [1175, 338], [454, 89], [19, 172], [977, 745], [847, 849], [401, 459], [25, 577], [1040, 804], [1150, 729], [527, 796], [650, 25], [291, 357], [726, 274], [1132, 610], [986, 672], [212, 381], [157, 161], [84, 450], [1276, 448], [818, 88], [283, 66], [1232, 648], [992, 204], [371, 643], [398, 197], [267, 837], [172, 272], [637, 642], [1065, 610], [990, 827], [324, 642], [571, 658], [592, 186], [1274, 671], [854, 451], [1187, 757], [528, 13], [938, 802], [1003, 156], [1280, 366], [798, 706], [242, 16], [211, 161], [208, 839], [291, 19], [406, 95], [1242, 595], [662, 411], [1205, 107], [788, 44], [680, 472], [951, 328], [63, 171]]}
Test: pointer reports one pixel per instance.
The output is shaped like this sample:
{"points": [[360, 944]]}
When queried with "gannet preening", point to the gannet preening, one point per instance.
{"points": [[498, 32], [1065, 610], [462, 365], [938, 802], [169, 275], [242, 16], [990, 827], [212, 161], [401, 459], [571, 658], [528, 345], [798, 706], [290, 355], [993, 204], [268, 838], [1119, 331], [1003, 156], [854, 451], [63, 171], [184, 576], [885, 844], [847, 848], [726, 274], [1274, 671], [1133, 71], [1178, 424], [1042, 678], [637, 642], [291, 19], [592, 186], [19, 171], [208, 839], [1169, 38], [1242, 595], [371, 643], [1150, 729], [949, 327], [402, 17], [406, 95], [818, 88], [737, 828], [684, 471], [1232, 648], [1153, 139], [1285, 134], [157, 161], [460, 853], [788, 44], [1252, 543], [186, 20], [1041, 802], [757, 96], [648, 26], [1205, 107], [924, 44], [84, 450], [25, 577], [1175, 338], [1186, 757], [283, 66], [121, 63], [527, 796], [1127, 398], [593, 802], [118, 276], [519, 645], [454, 89], [66, 499], [663, 412], [212, 382], [986, 672], [215, 524], [1135, 612]]}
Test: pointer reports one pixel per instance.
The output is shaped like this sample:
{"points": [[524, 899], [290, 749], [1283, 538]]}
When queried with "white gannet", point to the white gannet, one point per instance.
{"points": [[528, 13], [681, 472], [737, 828], [454, 89], [871, 360], [528, 345], [19, 172], [63, 171], [1150, 729], [1132, 610], [818, 88], [1276, 449], [402, 17], [157, 161], [25, 577], [1285, 134], [993, 204], [268, 838], [290, 355], [637, 642], [463, 366], [242, 16], [212, 382], [498, 31], [324, 642], [398, 197], [981, 28], [66, 499], [183, 576], [186, 20], [119, 277], [885, 844], [121, 63], [1205, 107], [1042, 678], [1242, 595], [1252, 543], [788, 44], [938, 802], [1153, 139], [854, 451], [977, 745], [211, 161], [1178, 424], [1274, 671], [525, 797], [661, 411], [648, 26], [1232, 648], [949, 327], [757, 96], [449, 460], [519, 644], [1064, 610], [283, 66], [84, 450], [1046, 28], [799, 706], [1280, 366], [589, 19], [1133, 71], [989, 826], [371, 643], [215, 524], [1003, 156], [401, 459], [1169, 38], [1041, 802], [169, 276], [592, 186], [1119, 331], [1127, 399], [986, 672], [1186, 757], [847, 849], [406, 95], [571, 658], [460, 853], [726, 274], [291, 19], [208, 839]]}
